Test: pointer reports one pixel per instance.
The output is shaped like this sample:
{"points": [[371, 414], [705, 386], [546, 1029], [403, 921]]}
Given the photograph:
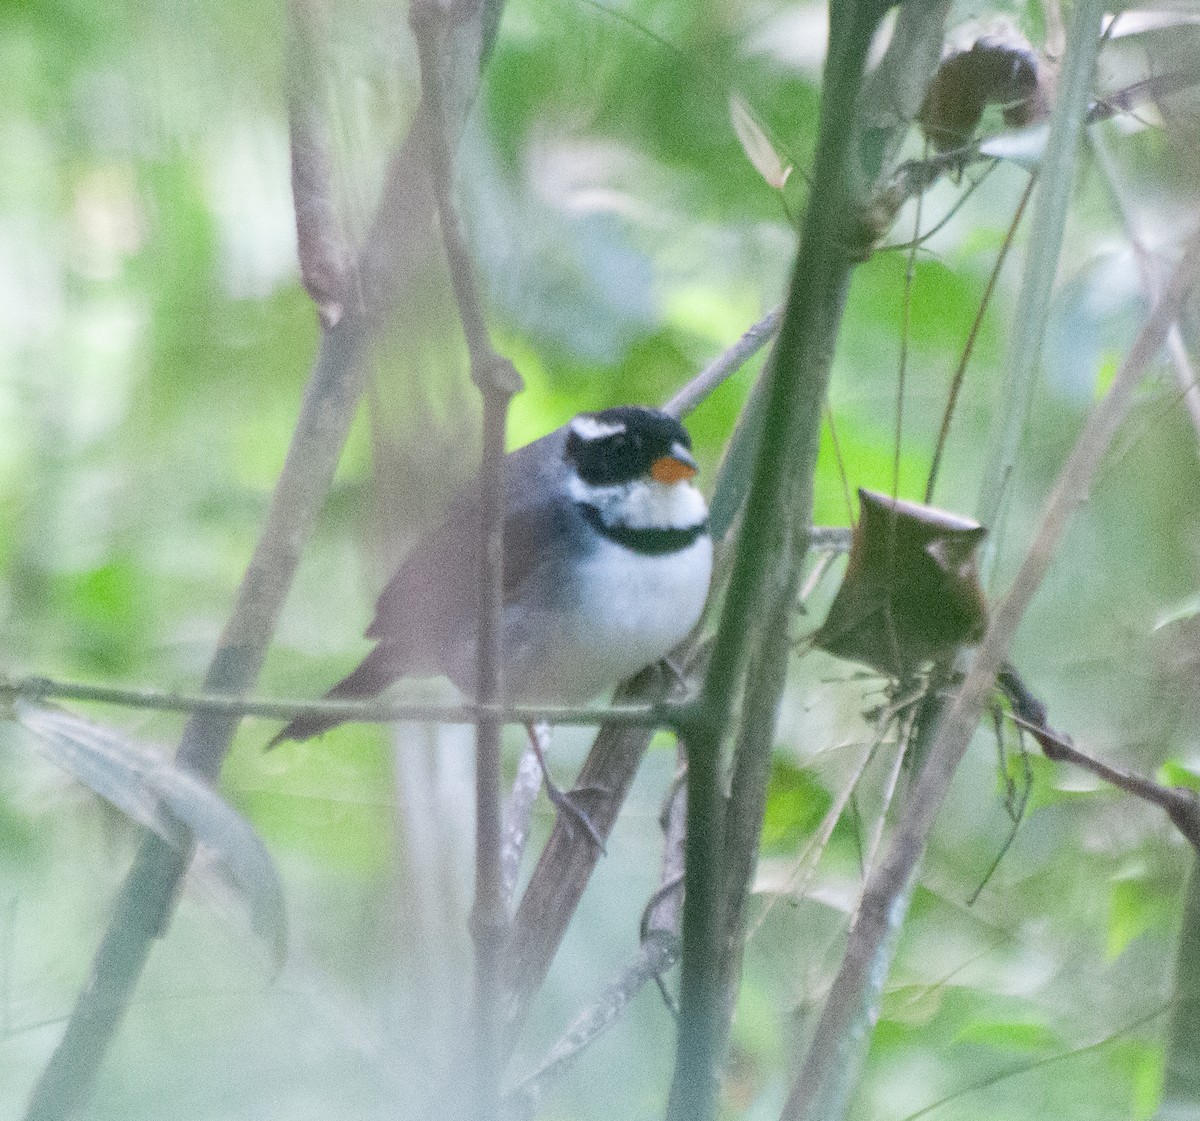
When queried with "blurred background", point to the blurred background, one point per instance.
{"points": [[154, 342]]}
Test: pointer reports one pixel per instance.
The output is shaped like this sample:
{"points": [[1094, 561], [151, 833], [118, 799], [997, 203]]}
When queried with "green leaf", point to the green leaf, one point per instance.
{"points": [[1149, 1066], [164, 798], [1133, 908], [107, 613], [795, 803], [1175, 773], [1010, 1035], [1181, 612]]}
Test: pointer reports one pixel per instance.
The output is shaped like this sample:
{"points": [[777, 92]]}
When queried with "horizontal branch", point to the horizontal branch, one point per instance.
{"points": [[834, 539], [367, 712]]}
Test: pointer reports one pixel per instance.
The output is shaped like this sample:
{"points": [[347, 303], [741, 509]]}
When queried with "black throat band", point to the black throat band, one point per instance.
{"points": [[648, 542]]}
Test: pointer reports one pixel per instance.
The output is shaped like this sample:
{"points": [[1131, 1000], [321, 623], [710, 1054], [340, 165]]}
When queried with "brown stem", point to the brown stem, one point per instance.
{"points": [[498, 381], [657, 953], [960, 372], [728, 362], [569, 857], [325, 257], [1180, 804]]}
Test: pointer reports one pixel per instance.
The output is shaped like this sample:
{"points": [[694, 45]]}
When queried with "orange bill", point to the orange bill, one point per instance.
{"points": [[668, 469]]}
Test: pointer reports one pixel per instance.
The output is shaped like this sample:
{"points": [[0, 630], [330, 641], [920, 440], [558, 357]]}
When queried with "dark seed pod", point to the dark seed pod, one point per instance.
{"points": [[992, 72], [911, 592]]}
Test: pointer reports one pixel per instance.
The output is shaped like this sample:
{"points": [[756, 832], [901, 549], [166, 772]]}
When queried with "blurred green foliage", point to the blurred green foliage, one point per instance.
{"points": [[154, 341]]}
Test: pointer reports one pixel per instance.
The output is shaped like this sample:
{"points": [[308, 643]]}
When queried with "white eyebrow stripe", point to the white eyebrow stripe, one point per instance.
{"points": [[589, 428]]}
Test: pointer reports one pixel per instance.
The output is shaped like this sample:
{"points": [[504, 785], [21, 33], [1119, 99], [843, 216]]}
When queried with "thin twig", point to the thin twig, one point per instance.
{"points": [[727, 363], [968, 349], [804, 866], [665, 910], [910, 274], [569, 856], [904, 733], [1027, 1067], [1180, 804], [1047, 223], [374, 712], [657, 953], [1181, 363], [962, 200]]}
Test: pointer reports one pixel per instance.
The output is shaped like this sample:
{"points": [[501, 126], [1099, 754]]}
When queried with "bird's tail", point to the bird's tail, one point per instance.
{"points": [[374, 674]]}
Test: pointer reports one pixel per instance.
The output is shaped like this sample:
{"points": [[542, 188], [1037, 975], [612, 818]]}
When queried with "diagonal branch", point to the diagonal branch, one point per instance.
{"points": [[569, 857], [657, 953], [728, 362], [1186, 378], [1180, 804]]}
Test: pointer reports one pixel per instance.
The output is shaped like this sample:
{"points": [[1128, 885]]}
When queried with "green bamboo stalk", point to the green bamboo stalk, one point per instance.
{"points": [[1047, 223], [784, 466]]}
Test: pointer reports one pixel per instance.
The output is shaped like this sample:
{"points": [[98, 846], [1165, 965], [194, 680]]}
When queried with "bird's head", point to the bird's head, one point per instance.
{"points": [[634, 465]]}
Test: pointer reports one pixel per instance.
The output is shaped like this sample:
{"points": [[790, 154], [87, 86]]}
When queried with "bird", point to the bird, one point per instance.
{"points": [[607, 564]]}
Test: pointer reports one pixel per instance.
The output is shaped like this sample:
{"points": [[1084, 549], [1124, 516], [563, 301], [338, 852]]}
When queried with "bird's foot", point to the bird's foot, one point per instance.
{"points": [[573, 814], [676, 675]]}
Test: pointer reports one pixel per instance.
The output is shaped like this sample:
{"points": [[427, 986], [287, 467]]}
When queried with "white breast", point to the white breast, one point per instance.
{"points": [[630, 610]]}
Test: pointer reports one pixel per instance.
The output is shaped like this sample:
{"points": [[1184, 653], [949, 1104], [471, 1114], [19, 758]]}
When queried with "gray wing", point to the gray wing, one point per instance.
{"points": [[429, 606]]}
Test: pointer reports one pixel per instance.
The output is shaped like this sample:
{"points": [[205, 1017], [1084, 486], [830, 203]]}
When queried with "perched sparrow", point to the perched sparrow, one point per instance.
{"points": [[607, 560]]}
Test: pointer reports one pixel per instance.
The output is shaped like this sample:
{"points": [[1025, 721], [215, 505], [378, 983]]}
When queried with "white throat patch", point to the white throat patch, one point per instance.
{"points": [[643, 503]]}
